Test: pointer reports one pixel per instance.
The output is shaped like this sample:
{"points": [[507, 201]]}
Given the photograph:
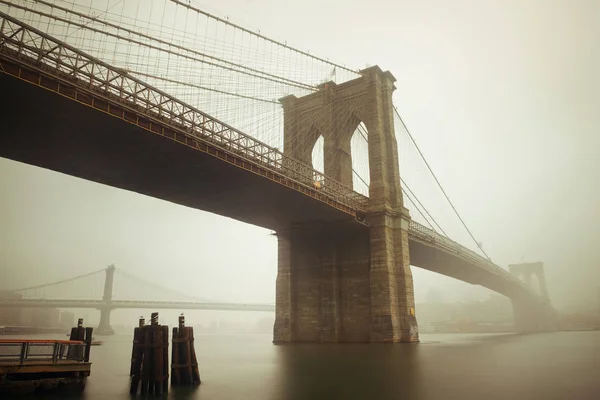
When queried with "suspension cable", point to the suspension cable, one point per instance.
{"points": [[405, 185], [156, 39], [440, 185], [417, 208], [234, 69], [58, 282], [284, 45]]}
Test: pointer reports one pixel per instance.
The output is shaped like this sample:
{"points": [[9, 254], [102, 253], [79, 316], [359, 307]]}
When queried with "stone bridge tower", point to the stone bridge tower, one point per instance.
{"points": [[528, 316], [527, 271], [347, 282], [104, 327]]}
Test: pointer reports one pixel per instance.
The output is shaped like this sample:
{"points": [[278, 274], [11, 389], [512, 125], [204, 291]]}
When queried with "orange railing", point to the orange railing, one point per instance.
{"points": [[31, 350]]}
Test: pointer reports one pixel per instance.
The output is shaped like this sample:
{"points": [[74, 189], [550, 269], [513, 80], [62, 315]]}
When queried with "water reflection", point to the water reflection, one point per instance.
{"points": [[560, 365], [350, 371]]}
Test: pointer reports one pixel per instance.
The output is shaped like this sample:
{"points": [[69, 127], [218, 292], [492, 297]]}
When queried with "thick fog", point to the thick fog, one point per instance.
{"points": [[502, 97]]}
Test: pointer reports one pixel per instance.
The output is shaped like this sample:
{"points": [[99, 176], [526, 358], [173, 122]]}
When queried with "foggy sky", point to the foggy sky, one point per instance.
{"points": [[502, 97]]}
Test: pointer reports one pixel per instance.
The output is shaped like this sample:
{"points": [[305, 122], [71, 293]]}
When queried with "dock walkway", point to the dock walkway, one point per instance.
{"points": [[29, 365]]}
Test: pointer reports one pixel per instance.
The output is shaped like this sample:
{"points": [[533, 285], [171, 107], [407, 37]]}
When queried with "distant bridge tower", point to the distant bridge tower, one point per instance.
{"points": [[104, 328], [527, 271], [347, 282], [529, 317]]}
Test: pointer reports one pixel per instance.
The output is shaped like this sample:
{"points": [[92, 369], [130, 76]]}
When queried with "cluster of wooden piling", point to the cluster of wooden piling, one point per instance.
{"points": [[184, 365], [149, 358], [82, 334]]}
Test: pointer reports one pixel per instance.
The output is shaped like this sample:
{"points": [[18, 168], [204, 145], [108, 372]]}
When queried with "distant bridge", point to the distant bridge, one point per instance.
{"points": [[155, 305], [19, 299]]}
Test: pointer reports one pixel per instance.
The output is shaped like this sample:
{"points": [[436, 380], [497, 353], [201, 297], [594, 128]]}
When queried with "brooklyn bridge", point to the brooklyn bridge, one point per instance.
{"points": [[252, 129]]}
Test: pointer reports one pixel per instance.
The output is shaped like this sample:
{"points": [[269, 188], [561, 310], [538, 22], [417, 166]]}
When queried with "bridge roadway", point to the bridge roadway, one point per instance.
{"points": [[71, 138], [52, 120], [115, 304]]}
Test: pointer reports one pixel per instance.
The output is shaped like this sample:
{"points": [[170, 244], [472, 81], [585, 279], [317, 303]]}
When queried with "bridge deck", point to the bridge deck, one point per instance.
{"points": [[74, 139], [107, 147]]}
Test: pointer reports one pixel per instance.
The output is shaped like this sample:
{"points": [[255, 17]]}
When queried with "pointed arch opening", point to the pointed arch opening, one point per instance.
{"points": [[318, 159], [359, 148]]}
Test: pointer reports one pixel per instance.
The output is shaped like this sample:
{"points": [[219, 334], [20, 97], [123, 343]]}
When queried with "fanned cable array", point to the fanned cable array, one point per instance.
{"points": [[229, 72], [236, 75]]}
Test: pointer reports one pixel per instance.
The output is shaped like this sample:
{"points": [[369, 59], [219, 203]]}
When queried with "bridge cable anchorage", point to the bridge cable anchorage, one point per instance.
{"points": [[59, 282], [279, 80], [284, 45], [440, 185]]}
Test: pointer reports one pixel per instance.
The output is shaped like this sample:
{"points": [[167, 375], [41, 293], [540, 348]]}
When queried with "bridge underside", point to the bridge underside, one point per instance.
{"points": [[41, 128], [330, 292], [529, 314], [434, 259]]}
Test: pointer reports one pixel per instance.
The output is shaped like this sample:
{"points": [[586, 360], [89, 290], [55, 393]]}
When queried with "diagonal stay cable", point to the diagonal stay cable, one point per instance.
{"points": [[418, 209], [405, 185], [409, 198], [280, 80], [440, 185]]}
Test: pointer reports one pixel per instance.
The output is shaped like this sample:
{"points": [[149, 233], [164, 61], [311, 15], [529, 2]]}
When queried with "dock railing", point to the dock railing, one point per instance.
{"points": [[25, 350]]}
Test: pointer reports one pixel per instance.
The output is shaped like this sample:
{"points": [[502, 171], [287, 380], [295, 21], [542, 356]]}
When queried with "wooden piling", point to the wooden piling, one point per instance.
{"points": [[137, 352], [165, 354], [78, 334], [185, 356], [157, 377], [147, 360], [193, 359], [150, 358], [88, 343], [184, 365], [175, 377]]}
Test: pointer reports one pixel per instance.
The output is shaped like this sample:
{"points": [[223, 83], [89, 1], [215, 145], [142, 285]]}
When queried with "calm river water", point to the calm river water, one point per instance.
{"points": [[560, 365]]}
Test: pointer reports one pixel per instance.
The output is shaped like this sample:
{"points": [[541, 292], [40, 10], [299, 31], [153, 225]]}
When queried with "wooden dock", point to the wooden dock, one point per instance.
{"points": [[30, 365]]}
